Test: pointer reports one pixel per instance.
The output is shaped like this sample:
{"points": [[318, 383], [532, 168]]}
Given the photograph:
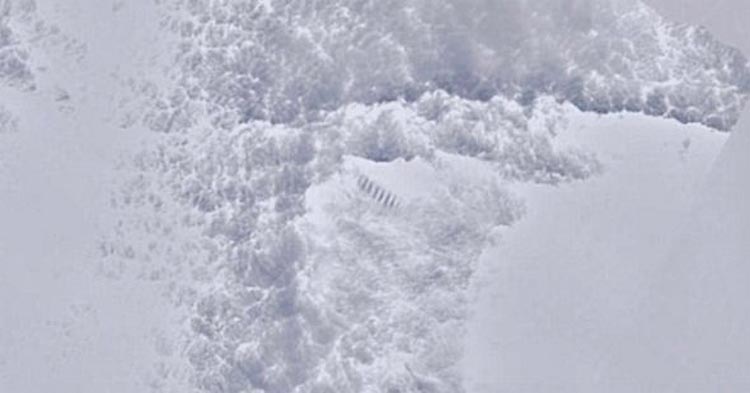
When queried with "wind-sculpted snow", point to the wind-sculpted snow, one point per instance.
{"points": [[295, 279], [288, 60]]}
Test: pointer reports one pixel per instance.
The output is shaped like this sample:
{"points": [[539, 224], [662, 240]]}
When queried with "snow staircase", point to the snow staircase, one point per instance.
{"points": [[376, 192]]}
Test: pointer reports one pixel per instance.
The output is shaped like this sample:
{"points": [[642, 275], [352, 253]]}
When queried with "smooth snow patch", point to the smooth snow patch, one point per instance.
{"points": [[561, 298]]}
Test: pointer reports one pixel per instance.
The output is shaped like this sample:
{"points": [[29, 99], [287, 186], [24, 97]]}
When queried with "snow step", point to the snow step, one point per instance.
{"points": [[376, 192]]}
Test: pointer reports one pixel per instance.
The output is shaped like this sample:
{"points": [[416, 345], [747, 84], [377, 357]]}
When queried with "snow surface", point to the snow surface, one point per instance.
{"points": [[312, 278], [703, 286], [63, 326], [562, 303], [240, 60], [648, 293], [289, 196]]}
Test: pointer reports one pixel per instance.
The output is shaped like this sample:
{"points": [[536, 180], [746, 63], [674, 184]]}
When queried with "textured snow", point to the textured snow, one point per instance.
{"points": [[330, 174], [273, 242], [14, 56], [323, 181], [239, 60]]}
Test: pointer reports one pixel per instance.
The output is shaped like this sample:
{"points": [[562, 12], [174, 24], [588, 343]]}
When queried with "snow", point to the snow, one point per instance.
{"points": [[414, 179], [281, 196], [398, 295], [63, 326], [704, 281], [562, 300], [380, 51]]}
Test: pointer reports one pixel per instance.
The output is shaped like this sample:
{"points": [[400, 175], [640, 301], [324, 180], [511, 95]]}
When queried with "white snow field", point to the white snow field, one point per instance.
{"points": [[398, 196]]}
